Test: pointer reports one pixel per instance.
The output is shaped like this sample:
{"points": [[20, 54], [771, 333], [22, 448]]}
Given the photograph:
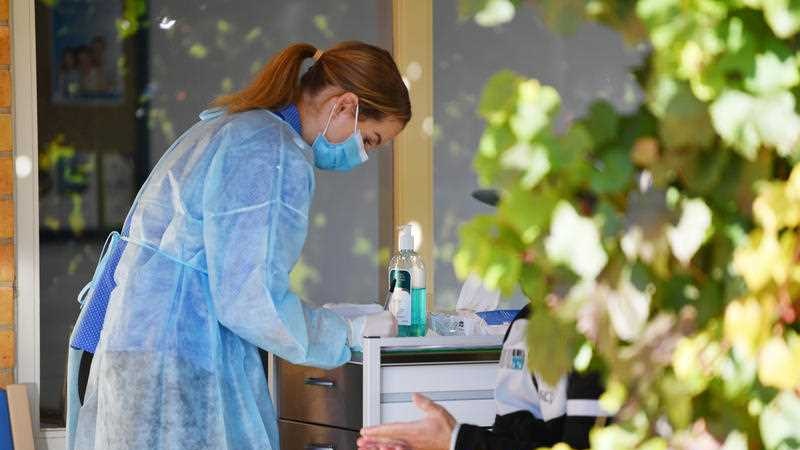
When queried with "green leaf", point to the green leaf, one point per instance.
{"points": [[574, 145], [584, 357], [656, 443], [614, 437], [494, 141], [739, 373], [614, 396], [736, 440], [609, 218], [602, 122], [552, 346], [746, 324], [684, 120], [706, 172], [533, 283], [711, 303], [640, 124], [562, 16], [774, 209], [678, 401], [746, 122], [569, 156], [778, 423], [575, 242], [613, 173], [528, 213], [487, 168], [778, 123], [468, 8], [628, 308], [773, 73], [783, 16], [731, 115], [495, 12], [499, 96], [475, 244], [502, 270], [533, 161], [779, 362], [692, 229], [537, 105]]}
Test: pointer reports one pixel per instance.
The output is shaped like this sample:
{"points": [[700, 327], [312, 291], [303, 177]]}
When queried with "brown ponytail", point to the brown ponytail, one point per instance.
{"points": [[275, 86], [367, 71]]}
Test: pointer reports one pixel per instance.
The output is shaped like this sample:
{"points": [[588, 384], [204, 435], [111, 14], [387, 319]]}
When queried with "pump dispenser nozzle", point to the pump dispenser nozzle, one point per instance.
{"points": [[405, 240]]}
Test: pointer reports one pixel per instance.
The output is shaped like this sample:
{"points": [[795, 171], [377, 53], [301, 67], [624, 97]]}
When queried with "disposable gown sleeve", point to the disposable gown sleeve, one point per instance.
{"points": [[255, 204]]}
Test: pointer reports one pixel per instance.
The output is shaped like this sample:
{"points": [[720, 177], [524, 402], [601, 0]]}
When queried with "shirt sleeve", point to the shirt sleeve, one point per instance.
{"points": [[255, 204], [519, 430], [454, 436], [471, 437]]}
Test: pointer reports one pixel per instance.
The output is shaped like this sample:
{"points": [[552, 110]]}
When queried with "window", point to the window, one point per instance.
{"points": [[590, 64], [114, 92]]}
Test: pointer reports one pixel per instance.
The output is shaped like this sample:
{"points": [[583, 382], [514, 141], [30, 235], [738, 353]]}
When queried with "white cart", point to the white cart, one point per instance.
{"points": [[324, 409]]}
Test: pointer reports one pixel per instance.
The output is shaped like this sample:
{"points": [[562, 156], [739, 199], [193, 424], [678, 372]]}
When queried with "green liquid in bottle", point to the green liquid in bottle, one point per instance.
{"points": [[419, 312], [419, 315]]}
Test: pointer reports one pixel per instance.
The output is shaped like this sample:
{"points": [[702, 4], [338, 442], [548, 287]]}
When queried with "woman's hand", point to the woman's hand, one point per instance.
{"points": [[433, 432]]}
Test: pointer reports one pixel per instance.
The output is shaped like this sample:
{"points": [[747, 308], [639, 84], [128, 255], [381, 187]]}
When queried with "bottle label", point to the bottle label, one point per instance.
{"points": [[400, 301]]}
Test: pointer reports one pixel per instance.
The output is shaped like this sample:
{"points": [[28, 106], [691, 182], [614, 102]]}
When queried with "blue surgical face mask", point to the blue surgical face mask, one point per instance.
{"points": [[343, 156]]}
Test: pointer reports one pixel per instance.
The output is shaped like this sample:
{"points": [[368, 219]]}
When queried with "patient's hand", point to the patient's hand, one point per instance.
{"points": [[430, 433]]}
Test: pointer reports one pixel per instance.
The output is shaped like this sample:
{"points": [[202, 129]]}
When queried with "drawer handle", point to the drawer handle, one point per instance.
{"points": [[319, 382], [325, 446]]}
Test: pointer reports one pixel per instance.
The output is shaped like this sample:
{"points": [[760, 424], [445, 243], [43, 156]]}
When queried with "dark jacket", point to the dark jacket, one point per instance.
{"points": [[522, 430]]}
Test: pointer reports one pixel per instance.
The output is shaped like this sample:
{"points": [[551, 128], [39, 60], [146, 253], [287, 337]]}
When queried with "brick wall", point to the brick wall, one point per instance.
{"points": [[7, 260]]}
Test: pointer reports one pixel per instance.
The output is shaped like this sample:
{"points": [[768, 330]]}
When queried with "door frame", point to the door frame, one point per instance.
{"points": [[23, 109]]}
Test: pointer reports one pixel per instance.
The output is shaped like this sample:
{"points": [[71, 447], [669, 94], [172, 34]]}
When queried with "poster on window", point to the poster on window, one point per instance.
{"points": [[86, 51]]}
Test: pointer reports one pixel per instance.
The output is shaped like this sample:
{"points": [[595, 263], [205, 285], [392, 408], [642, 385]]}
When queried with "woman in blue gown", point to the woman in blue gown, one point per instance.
{"points": [[198, 279]]}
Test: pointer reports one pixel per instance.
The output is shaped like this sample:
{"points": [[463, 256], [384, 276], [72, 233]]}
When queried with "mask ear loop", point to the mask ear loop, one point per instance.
{"points": [[355, 125], [330, 117]]}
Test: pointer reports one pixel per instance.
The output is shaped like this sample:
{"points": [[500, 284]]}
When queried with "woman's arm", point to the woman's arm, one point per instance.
{"points": [[255, 202]]}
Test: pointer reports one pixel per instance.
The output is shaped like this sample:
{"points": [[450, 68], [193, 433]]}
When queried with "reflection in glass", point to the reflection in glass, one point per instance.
{"points": [[590, 64]]}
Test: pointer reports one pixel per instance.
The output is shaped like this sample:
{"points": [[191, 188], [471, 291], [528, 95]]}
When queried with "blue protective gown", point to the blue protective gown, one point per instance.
{"points": [[201, 283]]}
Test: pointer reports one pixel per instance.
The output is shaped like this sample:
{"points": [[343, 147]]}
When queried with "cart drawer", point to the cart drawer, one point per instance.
{"points": [[329, 397], [303, 436]]}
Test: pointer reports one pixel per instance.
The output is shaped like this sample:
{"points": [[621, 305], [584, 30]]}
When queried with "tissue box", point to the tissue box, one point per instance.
{"points": [[468, 323], [498, 320], [498, 316]]}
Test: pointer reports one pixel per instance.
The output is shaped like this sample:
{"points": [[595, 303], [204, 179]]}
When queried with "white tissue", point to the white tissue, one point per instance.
{"points": [[353, 310], [476, 297]]}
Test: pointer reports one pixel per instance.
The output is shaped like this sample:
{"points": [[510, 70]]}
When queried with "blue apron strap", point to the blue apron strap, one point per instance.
{"points": [[95, 295], [85, 290]]}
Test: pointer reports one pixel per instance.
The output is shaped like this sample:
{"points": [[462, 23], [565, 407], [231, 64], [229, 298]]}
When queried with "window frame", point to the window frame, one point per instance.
{"points": [[24, 110], [413, 148]]}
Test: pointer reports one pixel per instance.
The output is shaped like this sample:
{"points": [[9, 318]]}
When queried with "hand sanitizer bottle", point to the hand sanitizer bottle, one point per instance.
{"points": [[408, 301]]}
